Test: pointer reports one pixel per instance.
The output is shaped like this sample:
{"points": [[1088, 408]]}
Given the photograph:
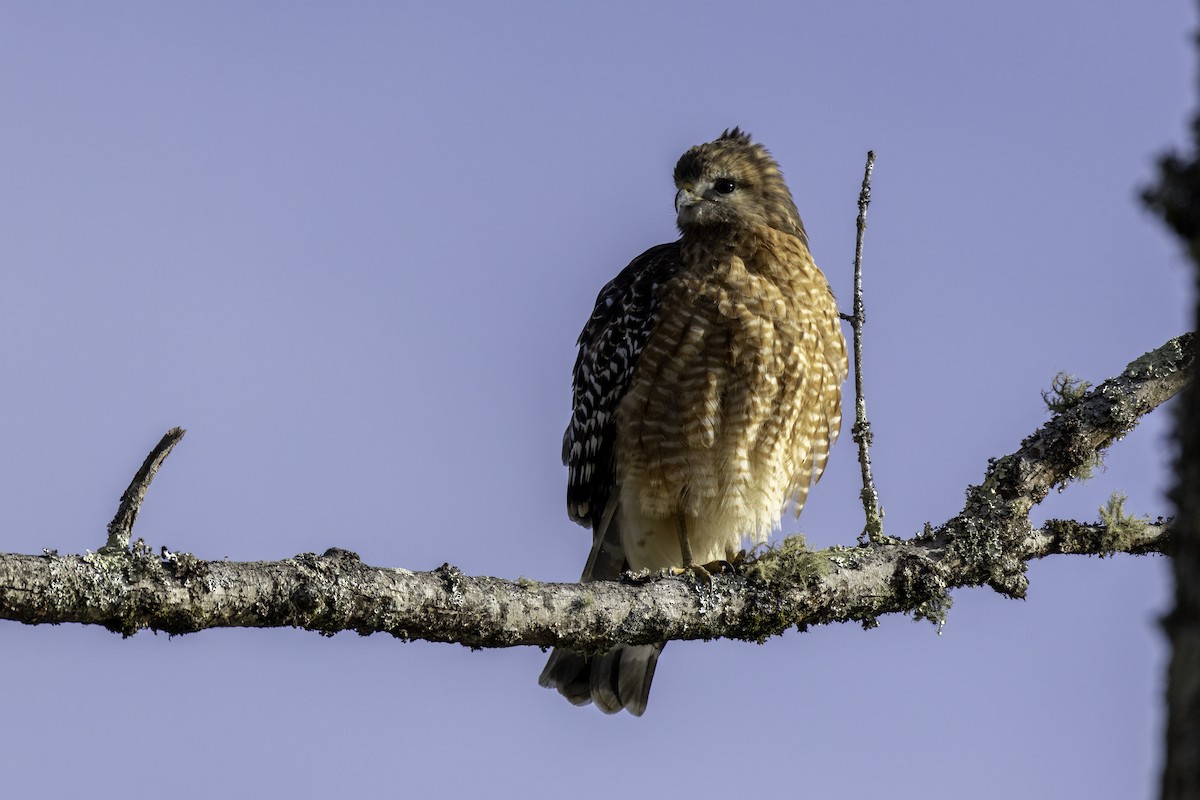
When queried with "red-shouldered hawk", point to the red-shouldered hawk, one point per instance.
{"points": [[707, 392]]}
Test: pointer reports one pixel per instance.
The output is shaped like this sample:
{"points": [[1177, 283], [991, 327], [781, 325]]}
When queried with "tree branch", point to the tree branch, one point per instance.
{"points": [[121, 528], [861, 432], [988, 542]]}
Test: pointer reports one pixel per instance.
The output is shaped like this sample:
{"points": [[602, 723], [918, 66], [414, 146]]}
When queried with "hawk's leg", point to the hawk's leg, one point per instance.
{"points": [[701, 571], [684, 547]]}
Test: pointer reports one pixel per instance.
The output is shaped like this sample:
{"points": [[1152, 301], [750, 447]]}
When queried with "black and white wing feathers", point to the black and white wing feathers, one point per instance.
{"points": [[609, 347]]}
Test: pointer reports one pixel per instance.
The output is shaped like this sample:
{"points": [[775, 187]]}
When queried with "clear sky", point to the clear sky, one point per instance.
{"points": [[349, 248]]}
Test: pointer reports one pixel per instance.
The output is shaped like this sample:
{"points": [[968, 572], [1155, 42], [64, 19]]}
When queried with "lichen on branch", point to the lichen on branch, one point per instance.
{"points": [[988, 542]]}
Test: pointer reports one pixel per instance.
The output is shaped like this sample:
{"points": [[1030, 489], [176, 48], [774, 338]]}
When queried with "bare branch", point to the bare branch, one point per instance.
{"points": [[861, 432], [337, 592], [988, 542], [121, 528]]}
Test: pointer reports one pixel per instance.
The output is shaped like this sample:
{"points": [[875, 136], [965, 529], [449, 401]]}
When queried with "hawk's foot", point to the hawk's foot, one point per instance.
{"points": [[704, 572], [700, 573], [727, 566]]}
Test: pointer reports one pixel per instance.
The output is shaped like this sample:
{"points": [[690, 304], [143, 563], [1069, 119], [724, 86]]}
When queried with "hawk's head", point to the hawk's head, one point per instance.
{"points": [[732, 181]]}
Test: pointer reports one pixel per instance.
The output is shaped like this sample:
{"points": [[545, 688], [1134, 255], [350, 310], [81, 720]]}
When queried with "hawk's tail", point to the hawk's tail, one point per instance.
{"points": [[621, 677], [614, 680]]}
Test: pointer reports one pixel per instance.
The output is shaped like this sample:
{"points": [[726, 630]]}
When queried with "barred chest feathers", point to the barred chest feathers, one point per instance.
{"points": [[735, 402]]}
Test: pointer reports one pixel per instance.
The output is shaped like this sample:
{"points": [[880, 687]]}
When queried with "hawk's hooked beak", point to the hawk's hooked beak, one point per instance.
{"points": [[686, 197]]}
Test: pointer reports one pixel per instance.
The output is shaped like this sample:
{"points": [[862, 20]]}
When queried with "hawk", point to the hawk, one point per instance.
{"points": [[707, 393]]}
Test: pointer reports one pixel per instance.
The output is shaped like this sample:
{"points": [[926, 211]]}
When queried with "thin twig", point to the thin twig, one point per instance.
{"points": [[861, 432], [121, 528]]}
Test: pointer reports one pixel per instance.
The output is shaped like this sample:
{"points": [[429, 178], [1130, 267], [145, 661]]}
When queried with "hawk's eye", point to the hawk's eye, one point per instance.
{"points": [[724, 185]]}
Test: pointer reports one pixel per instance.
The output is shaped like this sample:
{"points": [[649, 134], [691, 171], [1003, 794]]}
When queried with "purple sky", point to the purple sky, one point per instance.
{"points": [[350, 250]]}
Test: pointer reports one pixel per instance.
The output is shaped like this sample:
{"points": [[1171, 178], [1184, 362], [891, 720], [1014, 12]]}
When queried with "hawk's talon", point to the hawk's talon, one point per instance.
{"points": [[705, 572], [698, 572], [732, 565]]}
